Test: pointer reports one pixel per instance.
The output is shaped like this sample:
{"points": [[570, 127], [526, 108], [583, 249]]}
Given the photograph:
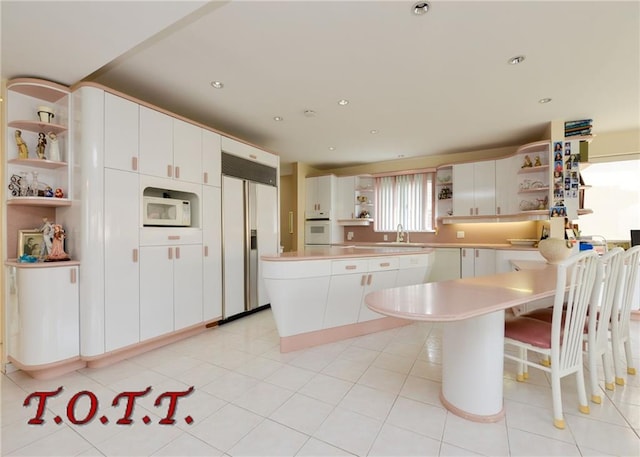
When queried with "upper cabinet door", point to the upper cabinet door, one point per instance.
{"points": [[211, 156], [463, 191], [156, 143], [120, 133], [484, 188], [187, 152]]}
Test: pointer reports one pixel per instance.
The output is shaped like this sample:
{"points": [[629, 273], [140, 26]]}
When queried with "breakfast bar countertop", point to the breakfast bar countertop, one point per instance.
{"points": [[347, 251]]}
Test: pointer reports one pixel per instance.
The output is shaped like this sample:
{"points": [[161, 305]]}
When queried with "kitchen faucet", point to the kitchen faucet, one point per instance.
{"points": [[399, 235]]}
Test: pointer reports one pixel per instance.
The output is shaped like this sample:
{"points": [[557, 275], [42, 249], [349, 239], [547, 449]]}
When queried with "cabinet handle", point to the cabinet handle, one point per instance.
{"points": [[253, 156], [173, 237], [385, 264], [206, 177], [74, 276], [464, 253], [470, 211], [477, 253], [170, 253], [498, 210], [134, 163], [170, 171], [135, 256], [363, 280], [350, 267], [206, 251], [177, 172], [476, 211], [177, 253], [369, 280]]}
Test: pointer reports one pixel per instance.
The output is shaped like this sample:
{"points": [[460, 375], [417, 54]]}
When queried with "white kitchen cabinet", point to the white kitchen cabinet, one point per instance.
{"points": [[348, 279], [505, 256], [212, 246], [121, 133], [187, 285], [446, 263], [506, 185], [320, 197], [383, 275], [211, 156], [477, 262], [474, 189], [170, 288], [121, 267], [414, 269], [156, 143], [187, 151], [43, 313], [345, 197]]}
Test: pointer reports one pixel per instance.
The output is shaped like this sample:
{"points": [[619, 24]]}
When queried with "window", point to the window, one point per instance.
{"points": [[404, 199]]}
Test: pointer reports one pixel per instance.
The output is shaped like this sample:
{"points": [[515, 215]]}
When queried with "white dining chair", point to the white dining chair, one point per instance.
{"points": [[561, 339], [621, 315]]}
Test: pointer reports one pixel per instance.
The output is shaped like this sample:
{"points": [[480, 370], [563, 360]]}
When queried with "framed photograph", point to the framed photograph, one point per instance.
{"points": [[30, 242]]}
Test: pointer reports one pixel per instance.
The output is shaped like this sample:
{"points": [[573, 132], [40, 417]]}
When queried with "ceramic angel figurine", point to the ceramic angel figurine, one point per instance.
{"points": [[42, 142], [47, 235], [54, 148], [23, 151], [57, 248]]}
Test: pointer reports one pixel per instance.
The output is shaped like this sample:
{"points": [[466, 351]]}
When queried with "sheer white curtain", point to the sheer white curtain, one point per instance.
{"points": [[404, 199]]}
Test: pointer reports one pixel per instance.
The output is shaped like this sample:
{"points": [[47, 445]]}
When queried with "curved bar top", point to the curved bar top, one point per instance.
{"points": [[473, 335], [347, 251], [460, 299]]}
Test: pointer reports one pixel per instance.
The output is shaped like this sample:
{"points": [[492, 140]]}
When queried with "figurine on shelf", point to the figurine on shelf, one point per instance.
{"points": [[23, 151], [54, 148], [58, 193], [538, 162], [57, 248], [527, 162], [42, 143], [47, 235]]}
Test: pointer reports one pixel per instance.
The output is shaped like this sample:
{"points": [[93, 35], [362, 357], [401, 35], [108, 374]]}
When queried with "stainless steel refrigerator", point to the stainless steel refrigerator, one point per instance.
{"points": [[250, 228]]}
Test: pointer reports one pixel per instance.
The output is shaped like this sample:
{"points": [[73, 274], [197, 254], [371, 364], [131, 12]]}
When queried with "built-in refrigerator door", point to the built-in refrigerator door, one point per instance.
{"points": [[268, 229], [252, 239], [233, 246]]}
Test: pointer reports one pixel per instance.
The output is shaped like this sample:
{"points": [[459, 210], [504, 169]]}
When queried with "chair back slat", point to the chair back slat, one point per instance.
{"points": [[607, 282], [578, 274], [626, 287]]}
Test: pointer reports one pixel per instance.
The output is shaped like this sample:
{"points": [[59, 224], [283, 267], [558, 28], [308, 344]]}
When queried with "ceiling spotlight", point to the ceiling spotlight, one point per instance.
{"points": [[544, 100], [217, 84], [343, 102], [420, 8], [515, 60], [309, 113], [278, 118], [332, 148], [373, 132]]}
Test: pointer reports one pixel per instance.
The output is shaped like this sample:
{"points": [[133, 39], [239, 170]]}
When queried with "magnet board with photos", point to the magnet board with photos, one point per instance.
{"points": [[566, 179]]}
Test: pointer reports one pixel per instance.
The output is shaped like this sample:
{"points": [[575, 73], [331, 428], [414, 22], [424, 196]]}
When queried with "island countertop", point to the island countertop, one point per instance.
{"points": [[346, 251]]}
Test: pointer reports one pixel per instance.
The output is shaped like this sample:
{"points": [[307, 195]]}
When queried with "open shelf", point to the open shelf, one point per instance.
{"points": [[38, 163], [35, 126], [39, 201]]}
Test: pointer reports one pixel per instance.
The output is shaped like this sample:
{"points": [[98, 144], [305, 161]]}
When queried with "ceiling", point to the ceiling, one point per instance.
{"points": [[438, 83]]}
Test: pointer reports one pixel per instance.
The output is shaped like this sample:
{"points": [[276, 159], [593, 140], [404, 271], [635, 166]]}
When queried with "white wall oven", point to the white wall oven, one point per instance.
{"points": [[319, 232]]}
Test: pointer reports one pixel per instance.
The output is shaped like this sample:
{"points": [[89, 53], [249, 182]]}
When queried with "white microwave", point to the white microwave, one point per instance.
{"points": [[170, 212]]}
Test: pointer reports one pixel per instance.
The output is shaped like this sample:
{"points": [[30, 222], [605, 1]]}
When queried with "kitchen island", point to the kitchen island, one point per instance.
{"points": [[317, 295], [473, 335]]}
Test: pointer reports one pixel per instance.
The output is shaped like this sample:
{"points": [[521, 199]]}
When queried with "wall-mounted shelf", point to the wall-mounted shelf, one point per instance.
{"points": [[35, 126], [38, 163], [538, 189], [533, 169], [39, 201], [355, 222]]}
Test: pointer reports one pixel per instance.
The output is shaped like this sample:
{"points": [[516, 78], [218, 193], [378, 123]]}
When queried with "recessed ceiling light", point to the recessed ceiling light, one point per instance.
{"points": [[217, 84], [309, 113], [544, 100], [420, 8], [400, 156], [343, 102], [516, 60], [278, 118], [373, 132], [332, 148]]}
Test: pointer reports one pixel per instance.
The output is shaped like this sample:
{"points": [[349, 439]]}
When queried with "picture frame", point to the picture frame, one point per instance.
{"points": [[30, 242]]}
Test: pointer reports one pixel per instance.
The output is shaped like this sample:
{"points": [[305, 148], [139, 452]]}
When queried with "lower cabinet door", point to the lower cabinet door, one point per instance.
{"points": [[156, 291], [187, 282], [343, 299], [376, 281], [48, 315]]}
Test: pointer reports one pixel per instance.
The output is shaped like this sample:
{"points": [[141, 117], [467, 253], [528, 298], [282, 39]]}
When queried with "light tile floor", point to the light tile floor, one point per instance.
{"points": [[372, 395]]}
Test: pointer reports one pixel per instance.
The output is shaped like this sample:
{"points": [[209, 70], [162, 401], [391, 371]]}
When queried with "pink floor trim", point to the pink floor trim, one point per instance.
{"points": [[469, 416], [331, 335]]}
